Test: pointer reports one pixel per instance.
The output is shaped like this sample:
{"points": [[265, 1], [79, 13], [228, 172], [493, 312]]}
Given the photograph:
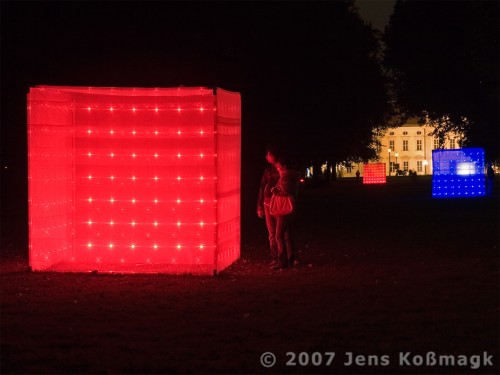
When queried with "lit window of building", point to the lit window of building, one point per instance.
{"points": [[452, 143]]}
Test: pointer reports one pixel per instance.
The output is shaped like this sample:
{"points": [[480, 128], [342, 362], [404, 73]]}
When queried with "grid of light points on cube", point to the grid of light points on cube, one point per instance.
{"points": [[458, 173], [133, 179], [374, 173]]}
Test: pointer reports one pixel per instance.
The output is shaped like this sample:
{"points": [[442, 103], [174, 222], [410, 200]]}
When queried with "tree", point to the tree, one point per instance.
{"points": [[324, 69], [443, 59]]}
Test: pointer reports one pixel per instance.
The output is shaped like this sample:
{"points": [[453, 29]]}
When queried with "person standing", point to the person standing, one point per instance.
{"points": [[286, 185], [490, 180], [267, 183]]}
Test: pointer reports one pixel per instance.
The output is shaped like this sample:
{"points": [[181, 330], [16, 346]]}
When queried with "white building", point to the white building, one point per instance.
{"points": [[405, 148]]}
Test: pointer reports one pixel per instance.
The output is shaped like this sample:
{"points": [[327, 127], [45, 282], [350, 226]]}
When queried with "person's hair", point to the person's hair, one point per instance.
{"points": [[274, 150]]}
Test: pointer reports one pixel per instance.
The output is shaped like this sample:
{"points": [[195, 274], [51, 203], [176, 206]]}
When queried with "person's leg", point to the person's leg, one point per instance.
{"points": [[271, 230], [280, 239], [290, 244]]}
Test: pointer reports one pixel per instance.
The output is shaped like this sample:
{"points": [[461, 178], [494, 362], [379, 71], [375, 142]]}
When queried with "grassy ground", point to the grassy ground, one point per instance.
{"points": [[386, 270]]}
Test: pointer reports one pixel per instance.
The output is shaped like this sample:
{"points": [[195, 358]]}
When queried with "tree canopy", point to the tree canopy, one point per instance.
{"points": [[443, 60], [330, 91]]}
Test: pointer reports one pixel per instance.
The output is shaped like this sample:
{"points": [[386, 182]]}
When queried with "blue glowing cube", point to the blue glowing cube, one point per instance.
{"points": [[458, 173]]}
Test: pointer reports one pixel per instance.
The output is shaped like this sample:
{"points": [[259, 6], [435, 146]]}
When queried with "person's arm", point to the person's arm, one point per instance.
{"points": [[260, 198]]}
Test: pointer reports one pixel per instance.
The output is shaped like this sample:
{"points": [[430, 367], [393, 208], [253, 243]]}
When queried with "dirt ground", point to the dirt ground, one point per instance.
{"points": [[387, 273]]}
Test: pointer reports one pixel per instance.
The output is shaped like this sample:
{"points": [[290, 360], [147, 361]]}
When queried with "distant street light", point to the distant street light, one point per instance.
{"points": [[425, 162], [389, 150]]}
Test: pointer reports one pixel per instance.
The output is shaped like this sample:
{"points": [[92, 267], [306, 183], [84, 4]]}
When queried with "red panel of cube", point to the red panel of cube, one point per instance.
{"points": [[374, 173], [134, 180]]}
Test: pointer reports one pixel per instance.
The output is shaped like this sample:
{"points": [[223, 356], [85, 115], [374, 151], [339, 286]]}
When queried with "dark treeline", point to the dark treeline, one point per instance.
{"points": [[443, 57]]}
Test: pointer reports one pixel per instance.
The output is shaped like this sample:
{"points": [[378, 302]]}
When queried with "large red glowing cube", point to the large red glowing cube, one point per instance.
{"points": [[134, 179], [374, 173]]}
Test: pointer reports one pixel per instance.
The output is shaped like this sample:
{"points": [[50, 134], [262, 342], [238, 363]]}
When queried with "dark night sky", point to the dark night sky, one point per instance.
{"points": [[377, 12], [248, 47]]}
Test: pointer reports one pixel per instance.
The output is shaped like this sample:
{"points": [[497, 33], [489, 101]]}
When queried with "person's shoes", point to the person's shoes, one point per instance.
{"points": [[273, 263], [276, 266], [293, 263]]}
